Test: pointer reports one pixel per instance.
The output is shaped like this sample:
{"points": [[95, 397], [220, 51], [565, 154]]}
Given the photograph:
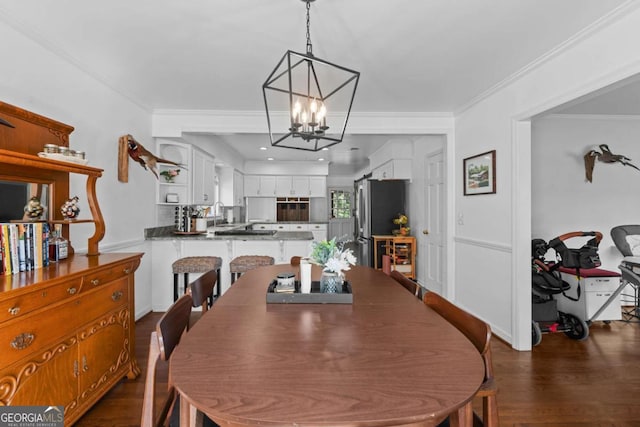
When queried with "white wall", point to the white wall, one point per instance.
{"points": [[37, 80], [497, 228], [562, 200]]}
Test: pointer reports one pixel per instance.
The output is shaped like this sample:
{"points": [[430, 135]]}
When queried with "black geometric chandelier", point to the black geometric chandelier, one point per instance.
{"points": [[317, 95]]}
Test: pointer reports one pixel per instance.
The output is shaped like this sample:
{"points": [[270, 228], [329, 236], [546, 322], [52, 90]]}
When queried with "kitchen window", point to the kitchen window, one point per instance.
{"points": [[340, 204]]}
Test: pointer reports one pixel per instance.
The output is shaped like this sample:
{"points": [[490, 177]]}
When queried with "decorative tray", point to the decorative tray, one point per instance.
{"points": [[63, 158], [315, 297]]}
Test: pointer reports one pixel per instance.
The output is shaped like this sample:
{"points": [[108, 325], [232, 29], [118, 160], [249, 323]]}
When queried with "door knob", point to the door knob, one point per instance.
{"points": [[425, 231]]}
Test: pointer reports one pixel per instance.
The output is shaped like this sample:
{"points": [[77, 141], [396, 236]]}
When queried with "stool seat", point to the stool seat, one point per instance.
{"points": [[244, 263], [195, 264]]}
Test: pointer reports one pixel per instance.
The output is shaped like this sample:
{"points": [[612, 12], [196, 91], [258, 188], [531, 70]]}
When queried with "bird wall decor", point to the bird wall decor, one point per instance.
{"points": [[147, 160], [605, 156]]}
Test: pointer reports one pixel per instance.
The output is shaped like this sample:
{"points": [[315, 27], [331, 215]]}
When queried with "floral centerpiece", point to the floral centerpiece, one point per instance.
{"points": [[402, 221], [170, 174], [334, 260]]}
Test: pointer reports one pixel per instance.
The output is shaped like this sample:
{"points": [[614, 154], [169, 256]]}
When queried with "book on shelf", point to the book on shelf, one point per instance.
{"points": [[23, 246]]}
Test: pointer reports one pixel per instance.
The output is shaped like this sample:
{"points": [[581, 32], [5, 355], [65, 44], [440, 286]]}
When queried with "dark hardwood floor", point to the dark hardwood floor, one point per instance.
{"points": [[561, 383]]}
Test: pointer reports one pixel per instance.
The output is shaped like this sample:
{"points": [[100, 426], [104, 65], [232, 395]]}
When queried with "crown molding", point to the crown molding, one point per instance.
{"points": [[586, 32], [173, 123], [620, 117]]}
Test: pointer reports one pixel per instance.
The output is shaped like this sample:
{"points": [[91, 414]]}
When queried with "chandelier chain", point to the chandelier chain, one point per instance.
{"points": [[309, 46]]}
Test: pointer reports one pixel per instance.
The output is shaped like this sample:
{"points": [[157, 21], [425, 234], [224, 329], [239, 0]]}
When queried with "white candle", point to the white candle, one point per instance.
{"points": [[305, 277]]}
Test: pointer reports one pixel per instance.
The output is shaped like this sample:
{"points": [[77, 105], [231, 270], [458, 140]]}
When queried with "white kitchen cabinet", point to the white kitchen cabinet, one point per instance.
{"points": [[319, 231], [252, 186], [317, 186], [287, 186], [259, 186], [231, 186], [393, 169], [203, 178], [238, 188]]}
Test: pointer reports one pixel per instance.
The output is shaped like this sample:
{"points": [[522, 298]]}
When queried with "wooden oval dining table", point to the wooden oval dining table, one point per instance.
{"points": [[385, 359]]}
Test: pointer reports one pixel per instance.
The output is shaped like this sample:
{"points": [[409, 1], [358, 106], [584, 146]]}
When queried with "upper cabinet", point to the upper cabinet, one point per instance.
{"points": [[393, 160], [259, 186], [285, 186], [195, 182], [203, 178], [393, 169], [231, 186], [292, 186], [317, 186]]}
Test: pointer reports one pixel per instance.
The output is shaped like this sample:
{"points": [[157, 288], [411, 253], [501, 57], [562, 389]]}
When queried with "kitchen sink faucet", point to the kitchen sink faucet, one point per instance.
{"points": [[216, 204]]}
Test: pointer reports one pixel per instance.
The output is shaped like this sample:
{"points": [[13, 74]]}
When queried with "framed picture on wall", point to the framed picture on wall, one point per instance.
{"points": [[480, 174]]}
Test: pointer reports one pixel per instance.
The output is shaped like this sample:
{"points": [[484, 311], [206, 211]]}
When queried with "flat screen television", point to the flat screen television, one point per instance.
{"points": [[13, 198]]}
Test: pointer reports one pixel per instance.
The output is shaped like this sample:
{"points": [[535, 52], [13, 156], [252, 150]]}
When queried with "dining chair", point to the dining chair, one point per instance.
{"points": [[479, 333], [201, 289], [164, 340], [409, 284]]}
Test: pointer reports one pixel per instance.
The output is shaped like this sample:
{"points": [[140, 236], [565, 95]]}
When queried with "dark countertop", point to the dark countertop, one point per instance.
{"points": [[167, 233]]}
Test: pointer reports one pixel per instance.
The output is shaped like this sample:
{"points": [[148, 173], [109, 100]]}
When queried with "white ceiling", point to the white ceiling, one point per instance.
{"points": [[414, 55]]}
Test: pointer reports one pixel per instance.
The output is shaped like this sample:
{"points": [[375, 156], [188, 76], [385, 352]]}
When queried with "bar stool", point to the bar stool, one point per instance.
{"points": [[244, 263], [196, 264]]}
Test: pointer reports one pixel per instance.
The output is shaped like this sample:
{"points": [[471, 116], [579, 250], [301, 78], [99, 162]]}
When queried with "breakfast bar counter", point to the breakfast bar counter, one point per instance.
{"points": [[167, 247]]}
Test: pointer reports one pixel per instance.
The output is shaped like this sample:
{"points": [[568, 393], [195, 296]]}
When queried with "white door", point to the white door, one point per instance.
{"points": [[432, 253], [341, 225]]}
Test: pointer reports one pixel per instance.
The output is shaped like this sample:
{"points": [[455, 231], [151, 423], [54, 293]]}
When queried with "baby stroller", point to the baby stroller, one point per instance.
{"points": [[546, 282]]}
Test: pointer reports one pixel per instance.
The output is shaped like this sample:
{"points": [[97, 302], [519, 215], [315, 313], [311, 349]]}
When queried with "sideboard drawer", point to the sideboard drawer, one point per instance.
{"points": [[107, 275], [26, 303], [22, 336]]}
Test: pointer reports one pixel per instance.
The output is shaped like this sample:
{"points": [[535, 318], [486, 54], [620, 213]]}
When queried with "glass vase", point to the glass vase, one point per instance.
{"points": [[330, 282]]}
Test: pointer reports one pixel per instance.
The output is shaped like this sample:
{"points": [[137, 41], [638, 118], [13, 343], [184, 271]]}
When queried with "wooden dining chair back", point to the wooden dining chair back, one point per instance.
{"points": [[164, 340], [202, 288], [295, 260], [479, 333], [408, 284]]}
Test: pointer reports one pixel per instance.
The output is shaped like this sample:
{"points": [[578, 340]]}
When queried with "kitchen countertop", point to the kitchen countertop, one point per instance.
{"points": [[167, 233]]}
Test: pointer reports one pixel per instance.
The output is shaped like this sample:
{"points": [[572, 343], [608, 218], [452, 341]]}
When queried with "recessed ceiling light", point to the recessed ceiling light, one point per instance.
{"points": [[269, 158], [263, 148], [321, 159], [325, 149]]}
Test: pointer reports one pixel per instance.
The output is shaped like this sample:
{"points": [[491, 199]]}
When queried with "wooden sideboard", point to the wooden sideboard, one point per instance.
{"points": [[67, 329], [67, 332]]}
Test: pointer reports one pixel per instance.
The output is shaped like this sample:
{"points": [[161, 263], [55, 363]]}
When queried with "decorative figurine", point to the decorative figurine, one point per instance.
{"points": [[147, 159], [33, 210], [70, 208]]}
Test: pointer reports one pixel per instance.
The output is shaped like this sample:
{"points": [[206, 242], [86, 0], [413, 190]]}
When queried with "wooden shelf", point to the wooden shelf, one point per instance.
{"points": [[19, 162], [401, 251]]}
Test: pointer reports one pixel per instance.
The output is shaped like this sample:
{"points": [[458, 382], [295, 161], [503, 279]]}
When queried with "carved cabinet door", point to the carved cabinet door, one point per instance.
{"points": [[104, 355], [48, 377]]}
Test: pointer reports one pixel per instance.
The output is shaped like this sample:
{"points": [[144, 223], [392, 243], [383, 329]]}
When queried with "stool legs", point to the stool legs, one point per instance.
{"points": [[218, 290], [175, 285], [234, 276]]}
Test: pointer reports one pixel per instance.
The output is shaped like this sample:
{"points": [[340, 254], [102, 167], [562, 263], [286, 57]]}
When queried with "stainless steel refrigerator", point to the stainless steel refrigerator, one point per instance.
{"points": [[377, 204]]}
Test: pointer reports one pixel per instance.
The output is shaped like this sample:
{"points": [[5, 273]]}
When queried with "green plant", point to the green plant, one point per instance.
{"points": [[332, 256]]}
